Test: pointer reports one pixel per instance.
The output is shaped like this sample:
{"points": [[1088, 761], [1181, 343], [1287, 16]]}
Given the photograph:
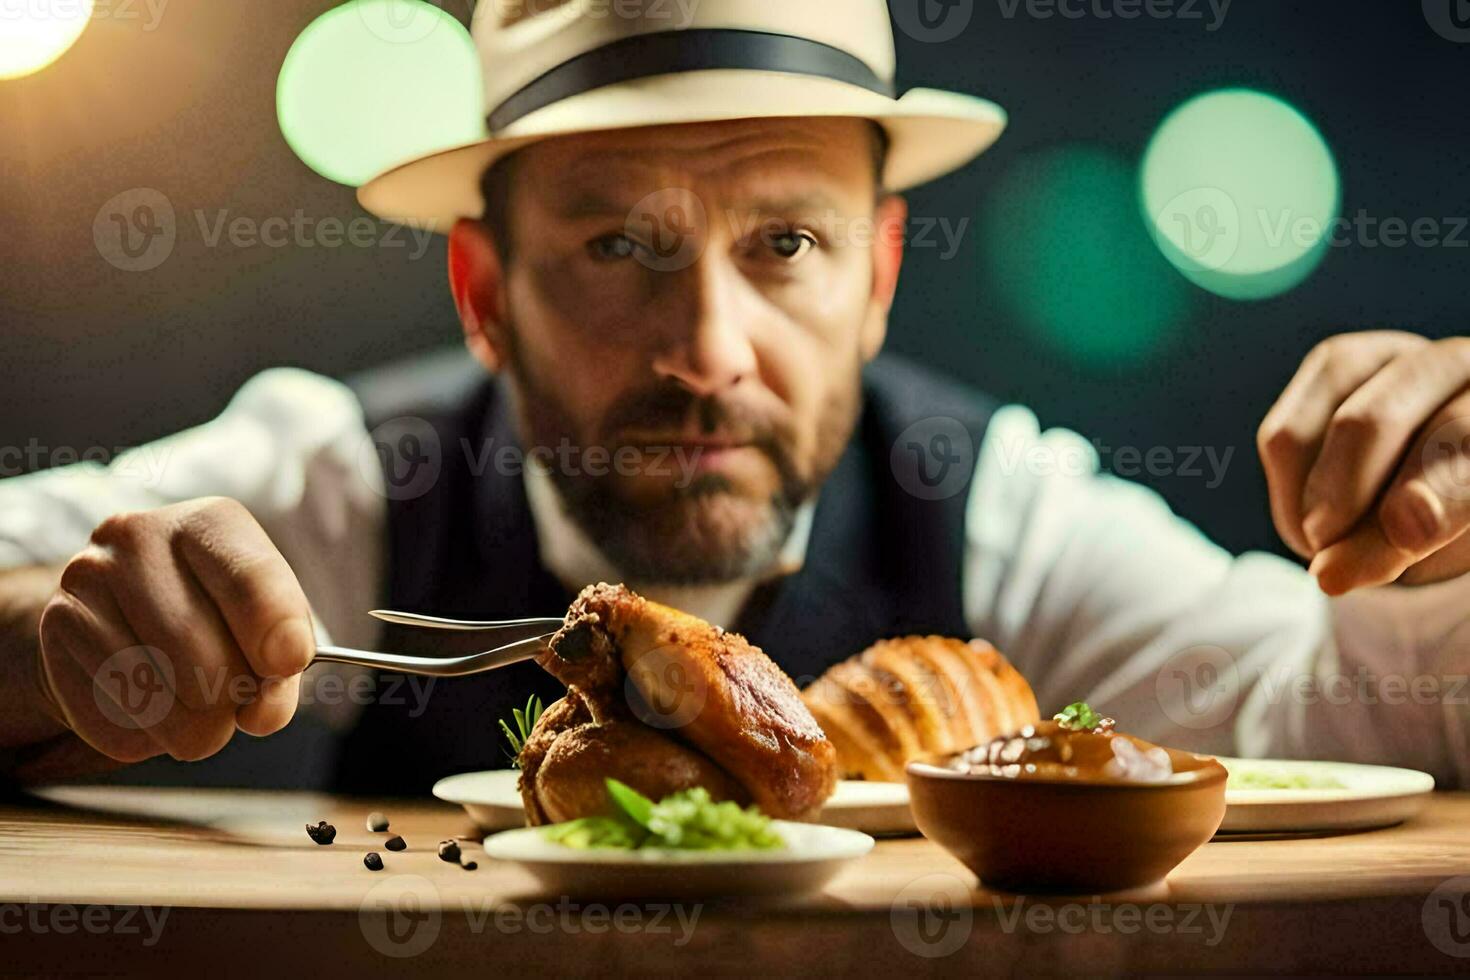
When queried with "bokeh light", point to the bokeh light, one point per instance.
{"points": [[1068, 259], [372, 83], [1240, 191], [34, 35]]}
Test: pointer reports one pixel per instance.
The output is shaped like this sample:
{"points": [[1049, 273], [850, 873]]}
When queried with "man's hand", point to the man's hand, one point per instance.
{"points": [[173, 628], [1367, 454]]}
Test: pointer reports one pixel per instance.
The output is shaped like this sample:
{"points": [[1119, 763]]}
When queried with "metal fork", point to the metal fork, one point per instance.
{"points": [[474, 663]]}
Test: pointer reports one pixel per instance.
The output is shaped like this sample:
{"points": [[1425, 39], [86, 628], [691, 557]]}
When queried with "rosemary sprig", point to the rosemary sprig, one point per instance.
{"points": [[525, 721]]}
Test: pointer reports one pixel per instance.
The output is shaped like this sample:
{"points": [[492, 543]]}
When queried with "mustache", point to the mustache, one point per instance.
{"points": [[674, 410]]}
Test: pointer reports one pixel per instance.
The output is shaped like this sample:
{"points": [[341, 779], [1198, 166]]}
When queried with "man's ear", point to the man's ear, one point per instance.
{"points": [[891, 219], [477, 282]]}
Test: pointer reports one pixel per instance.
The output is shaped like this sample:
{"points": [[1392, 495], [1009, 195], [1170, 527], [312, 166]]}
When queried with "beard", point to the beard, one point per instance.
{"points": [[701, 531]]}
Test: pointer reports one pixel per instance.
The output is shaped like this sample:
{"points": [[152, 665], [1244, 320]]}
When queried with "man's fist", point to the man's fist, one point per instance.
{"points": [[173, 628], [1367, 454]]}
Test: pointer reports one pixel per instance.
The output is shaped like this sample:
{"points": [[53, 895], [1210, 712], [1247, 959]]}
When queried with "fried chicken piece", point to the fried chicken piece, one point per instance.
{"points": [[690, 688], [563, 773]]}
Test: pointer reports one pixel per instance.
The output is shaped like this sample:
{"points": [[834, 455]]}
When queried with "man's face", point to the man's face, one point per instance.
{"points": [[690, 308]]}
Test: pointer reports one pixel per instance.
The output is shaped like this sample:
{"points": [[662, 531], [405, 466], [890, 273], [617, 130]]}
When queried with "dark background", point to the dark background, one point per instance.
{"points": [[94, 356]]}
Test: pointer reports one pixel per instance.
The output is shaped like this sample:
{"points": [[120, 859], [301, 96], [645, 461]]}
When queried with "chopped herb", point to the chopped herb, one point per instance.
{"points": [[688, 820], [525, 719], [1278, 779], [1079, 717], [637, 806]]}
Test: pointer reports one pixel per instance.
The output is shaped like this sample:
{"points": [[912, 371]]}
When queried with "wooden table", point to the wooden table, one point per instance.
{"points": [[161, 882]]}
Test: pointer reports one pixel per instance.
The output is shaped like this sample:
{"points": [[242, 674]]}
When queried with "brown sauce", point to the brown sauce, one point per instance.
{"points": [[1047, 750]]}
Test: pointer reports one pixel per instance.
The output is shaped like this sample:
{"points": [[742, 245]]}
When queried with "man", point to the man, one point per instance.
{"points": [[657, 257]]}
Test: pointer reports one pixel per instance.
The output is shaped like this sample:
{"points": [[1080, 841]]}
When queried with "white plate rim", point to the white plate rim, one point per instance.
{"points": [[1394, 783], [526, 845], [860, 791]]}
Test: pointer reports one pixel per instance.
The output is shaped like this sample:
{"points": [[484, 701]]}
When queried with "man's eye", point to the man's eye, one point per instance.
{"points": [[613, 248], [792, 245]]}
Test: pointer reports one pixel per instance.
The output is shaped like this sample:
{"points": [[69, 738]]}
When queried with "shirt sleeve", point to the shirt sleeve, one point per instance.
{"points": [[291, 446], [1097, 591]]}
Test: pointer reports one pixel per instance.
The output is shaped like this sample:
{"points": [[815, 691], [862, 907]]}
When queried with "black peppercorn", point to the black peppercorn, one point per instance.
{"points": [[373, 861], [449, 851], [322, 833], [395, 843]]}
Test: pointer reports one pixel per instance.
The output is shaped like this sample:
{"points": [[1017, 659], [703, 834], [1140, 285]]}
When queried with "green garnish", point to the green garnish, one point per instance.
{"points": [[1078, 716], [638, 807], [688, 821], [525, 720], [1277, 779]]}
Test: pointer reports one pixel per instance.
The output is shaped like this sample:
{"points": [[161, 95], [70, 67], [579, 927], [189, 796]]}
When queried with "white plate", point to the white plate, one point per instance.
{"points": [[494, 803], [812, 855], [1371, 796]]}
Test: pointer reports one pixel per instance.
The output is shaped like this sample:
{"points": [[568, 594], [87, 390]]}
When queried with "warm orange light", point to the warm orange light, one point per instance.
{"points": [[34, 33]]}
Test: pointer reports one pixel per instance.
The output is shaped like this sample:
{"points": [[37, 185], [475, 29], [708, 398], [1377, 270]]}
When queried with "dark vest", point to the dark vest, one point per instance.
{"points": [[884, 559]]}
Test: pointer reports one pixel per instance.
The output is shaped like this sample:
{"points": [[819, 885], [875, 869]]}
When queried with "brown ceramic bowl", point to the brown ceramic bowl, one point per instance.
{"points": [[1060, 835]]}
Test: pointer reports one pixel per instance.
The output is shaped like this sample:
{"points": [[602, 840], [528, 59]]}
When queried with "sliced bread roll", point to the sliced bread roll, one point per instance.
{"points": [[914, 696]]}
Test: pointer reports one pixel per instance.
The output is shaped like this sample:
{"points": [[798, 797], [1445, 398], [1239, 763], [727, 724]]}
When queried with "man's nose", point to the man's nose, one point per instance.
{"points": [[710, 350]]}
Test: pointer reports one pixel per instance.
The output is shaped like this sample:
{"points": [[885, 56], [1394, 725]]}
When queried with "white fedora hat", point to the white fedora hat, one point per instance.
{"points": [[558, 67]]}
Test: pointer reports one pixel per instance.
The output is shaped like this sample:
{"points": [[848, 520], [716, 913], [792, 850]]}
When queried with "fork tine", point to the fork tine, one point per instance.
{"points": [[475, 663], [462, 625]]}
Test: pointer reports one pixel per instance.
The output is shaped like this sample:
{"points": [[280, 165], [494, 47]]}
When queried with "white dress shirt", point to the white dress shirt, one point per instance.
{"points": [[1088, 583]]}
